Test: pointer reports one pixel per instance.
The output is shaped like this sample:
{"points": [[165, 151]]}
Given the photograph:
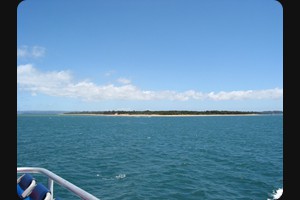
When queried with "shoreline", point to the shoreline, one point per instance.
{"points": [[157, 115]]}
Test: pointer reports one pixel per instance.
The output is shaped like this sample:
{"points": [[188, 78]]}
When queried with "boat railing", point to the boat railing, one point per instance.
{"points": [[52, 177]]}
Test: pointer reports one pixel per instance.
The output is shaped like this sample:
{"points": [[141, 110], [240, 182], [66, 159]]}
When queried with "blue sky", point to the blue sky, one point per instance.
{"points": [[101, 55]]}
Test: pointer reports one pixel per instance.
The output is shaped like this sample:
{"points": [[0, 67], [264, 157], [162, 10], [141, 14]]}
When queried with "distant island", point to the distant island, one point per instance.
{"points": [[170, 112]]}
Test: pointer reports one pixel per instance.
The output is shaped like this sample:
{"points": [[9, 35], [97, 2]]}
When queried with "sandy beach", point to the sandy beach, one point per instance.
{"points": [[156, 115]]}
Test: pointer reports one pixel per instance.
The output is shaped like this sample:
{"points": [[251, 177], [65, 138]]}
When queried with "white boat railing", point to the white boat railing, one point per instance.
{"points": [[52, 177]]}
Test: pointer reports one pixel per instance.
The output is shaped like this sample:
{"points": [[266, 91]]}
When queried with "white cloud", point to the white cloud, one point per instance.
{"points": [[275, 93], [61, 84], [124, 81], [34, 52], [50, 83]]}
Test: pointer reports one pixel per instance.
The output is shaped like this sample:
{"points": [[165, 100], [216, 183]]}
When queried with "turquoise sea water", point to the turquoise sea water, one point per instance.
{"points": [[190, 158]]}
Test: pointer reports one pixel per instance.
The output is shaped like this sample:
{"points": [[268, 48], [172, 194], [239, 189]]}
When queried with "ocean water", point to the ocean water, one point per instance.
{"points": [[129, 158]]}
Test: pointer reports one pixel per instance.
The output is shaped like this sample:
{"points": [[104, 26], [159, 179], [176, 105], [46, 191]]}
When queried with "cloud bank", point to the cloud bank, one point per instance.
{"points": [[61, 83]]}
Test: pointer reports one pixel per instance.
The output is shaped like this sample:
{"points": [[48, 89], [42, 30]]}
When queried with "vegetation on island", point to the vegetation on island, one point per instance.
{"points": [[173, 112]]}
